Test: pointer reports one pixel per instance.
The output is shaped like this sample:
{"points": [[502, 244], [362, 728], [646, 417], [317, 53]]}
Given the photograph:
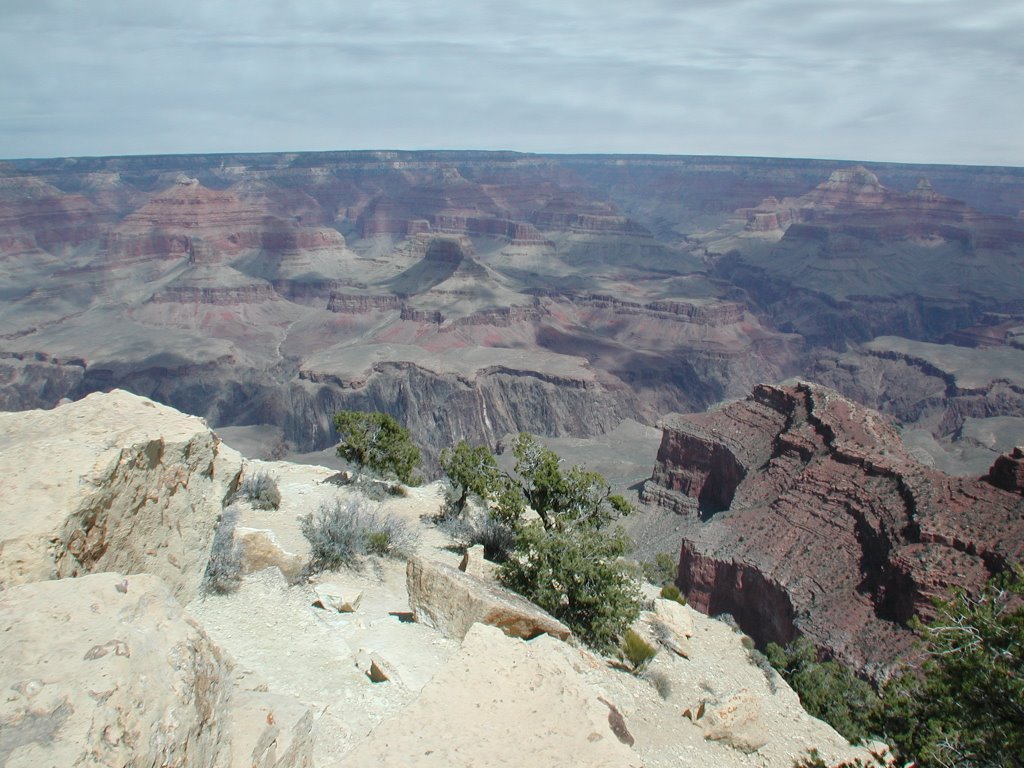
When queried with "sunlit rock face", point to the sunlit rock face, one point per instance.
{"points": [[807, 515]]}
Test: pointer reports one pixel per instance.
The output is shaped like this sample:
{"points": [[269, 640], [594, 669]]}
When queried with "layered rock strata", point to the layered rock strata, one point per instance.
{"points": [[805, 515]]}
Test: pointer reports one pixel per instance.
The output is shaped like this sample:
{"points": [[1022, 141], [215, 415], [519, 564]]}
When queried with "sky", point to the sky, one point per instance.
{"points": [[920, 81]]}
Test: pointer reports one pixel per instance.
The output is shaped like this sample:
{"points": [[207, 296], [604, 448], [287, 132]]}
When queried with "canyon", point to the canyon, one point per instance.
{"points": [[474, 295], [477, 294]]}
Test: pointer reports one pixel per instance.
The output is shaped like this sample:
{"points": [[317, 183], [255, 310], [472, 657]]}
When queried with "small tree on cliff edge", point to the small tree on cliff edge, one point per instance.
{"points": [[473, 471], [378, 442], [567, 561]]}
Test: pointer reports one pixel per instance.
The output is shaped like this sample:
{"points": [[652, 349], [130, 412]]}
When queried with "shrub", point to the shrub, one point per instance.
{"points": [[965, 705], [671, 592], [497, 537], [472, 471], [379, 443], [261, 490], [340, 533], [578, 576], [663, 570], [814, 760], [636, 650], [827, 689], [224, 568], [564, 562]]}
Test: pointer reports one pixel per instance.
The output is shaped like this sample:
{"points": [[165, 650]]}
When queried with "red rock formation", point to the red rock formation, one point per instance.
{"points": [[211, 226], [37, 217], [853, 201], [1008, 471], [805, 514]]}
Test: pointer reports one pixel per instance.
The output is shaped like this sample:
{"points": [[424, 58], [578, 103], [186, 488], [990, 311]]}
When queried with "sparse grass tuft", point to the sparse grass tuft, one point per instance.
{"points": [[671, 592], [636, 650], [261, 490]]}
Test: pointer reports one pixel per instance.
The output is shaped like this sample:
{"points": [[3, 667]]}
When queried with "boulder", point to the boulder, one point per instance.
{"points": [[526, 704], [736, 721], [334, 597], [452, 601], [111, 482], [97, 675], [676, 617], [376, 667], [259, 548]]}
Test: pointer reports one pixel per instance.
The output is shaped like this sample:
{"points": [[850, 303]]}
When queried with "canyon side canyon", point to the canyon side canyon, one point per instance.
{"points": [[856, 332]]}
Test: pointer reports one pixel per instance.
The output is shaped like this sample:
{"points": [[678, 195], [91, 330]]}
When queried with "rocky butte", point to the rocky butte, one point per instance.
{"points": [[804, 514]]}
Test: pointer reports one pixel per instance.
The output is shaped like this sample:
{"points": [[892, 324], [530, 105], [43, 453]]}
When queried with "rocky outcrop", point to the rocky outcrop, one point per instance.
{"points": [[795, 475], [107, 670], [111, 482], [452, 601], [270, 731], [1008, 471]]}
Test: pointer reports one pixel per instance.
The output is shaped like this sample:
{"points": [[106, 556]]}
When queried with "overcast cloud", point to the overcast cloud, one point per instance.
{"points": [[938, 81]]}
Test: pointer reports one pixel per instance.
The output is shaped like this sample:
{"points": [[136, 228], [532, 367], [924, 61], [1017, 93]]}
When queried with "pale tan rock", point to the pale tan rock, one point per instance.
{"points": [[475, 564], [96, 676], [260, 549], [668, 624], [736, 721], [452, 601], [270, 730], [376, 667], [111, 482], [338, 598], [677, 617], [501, 701]]}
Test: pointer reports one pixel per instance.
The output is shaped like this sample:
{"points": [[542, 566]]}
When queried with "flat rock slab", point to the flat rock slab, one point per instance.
{"points": [[107, 670], [452, 601], [111, 482], [527, 706]]}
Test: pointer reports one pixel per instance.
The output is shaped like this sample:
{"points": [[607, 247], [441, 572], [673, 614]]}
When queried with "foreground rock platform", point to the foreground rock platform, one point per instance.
{"points": [[538, 712], [105, 670]]}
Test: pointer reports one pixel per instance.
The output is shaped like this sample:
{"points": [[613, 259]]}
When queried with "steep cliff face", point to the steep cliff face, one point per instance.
{"points": [[804, 514]]}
